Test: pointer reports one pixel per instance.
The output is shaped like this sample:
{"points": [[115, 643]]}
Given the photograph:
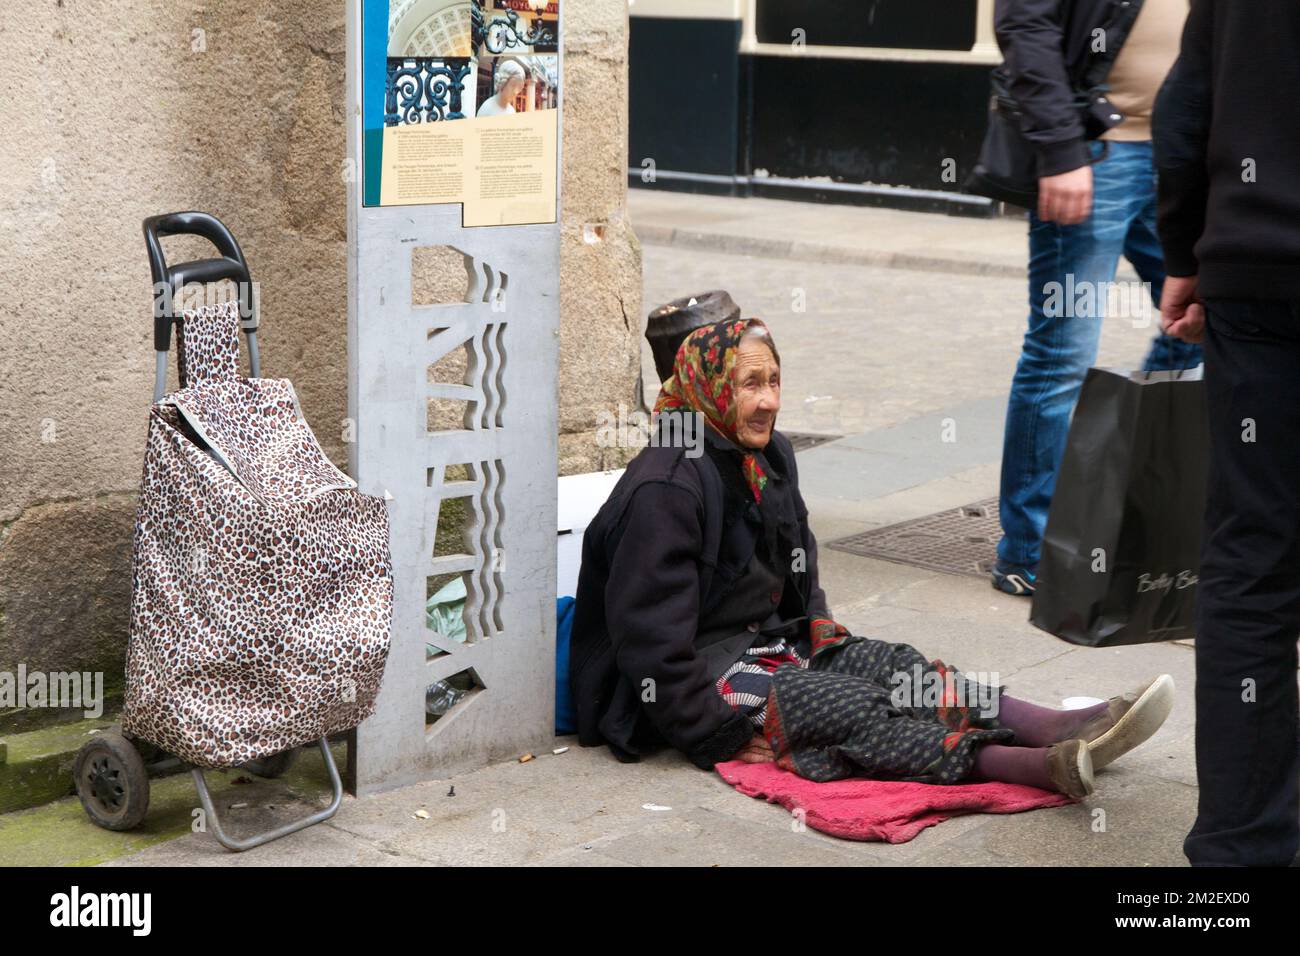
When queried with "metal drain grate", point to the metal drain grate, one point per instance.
{"points": [[959, 541], [802, 441]]}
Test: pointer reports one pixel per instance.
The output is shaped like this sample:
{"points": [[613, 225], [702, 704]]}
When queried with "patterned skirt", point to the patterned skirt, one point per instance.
{"points": [[869, 708]]}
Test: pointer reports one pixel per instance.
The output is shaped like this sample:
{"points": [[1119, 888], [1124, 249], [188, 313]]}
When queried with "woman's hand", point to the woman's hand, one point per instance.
{"points": [[756, 751]]}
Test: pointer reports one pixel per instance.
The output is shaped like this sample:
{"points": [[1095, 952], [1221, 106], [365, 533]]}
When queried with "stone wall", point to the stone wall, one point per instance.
{"points": [[120, 109]]}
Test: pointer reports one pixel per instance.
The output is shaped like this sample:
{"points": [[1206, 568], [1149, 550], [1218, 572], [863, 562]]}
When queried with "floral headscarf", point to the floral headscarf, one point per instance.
{"points": [[702, 382]]}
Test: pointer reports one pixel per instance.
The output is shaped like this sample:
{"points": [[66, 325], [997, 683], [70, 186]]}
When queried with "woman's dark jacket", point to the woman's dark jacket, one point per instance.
{"points": [[1054, 67], [672, 540]]}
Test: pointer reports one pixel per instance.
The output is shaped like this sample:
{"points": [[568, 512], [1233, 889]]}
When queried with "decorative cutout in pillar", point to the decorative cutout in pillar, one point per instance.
{"points": [[468, 542]]}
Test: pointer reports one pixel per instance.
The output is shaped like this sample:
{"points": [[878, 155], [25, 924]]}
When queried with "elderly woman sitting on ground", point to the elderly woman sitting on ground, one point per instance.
{"points": [[700, 622]]}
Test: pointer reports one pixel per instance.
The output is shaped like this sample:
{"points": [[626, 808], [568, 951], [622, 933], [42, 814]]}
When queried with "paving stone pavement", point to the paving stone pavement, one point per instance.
{"points": [[583, 808]]}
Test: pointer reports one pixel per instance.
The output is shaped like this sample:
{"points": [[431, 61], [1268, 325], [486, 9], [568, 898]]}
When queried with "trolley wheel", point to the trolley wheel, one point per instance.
{"points": [[112, 782], [276, 765]]}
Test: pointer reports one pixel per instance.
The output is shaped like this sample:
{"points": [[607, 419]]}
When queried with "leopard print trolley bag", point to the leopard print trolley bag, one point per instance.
{"points": [[262, 591]]}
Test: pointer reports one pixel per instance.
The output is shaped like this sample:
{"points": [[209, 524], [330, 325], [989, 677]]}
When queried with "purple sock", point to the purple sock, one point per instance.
{"points": [[1037, 726], [1026, 765]]}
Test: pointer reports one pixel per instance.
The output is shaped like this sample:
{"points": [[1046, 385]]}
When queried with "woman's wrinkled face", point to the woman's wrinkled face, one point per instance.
{"points": [[756, 378]]}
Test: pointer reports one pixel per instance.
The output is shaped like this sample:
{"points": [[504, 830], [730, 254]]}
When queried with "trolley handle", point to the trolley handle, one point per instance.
{"points": [[169, 280]]}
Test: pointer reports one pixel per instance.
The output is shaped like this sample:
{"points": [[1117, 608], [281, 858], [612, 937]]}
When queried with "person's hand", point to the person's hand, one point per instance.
{"points": [[756, 751], [1182, 313], [1066, 198]]}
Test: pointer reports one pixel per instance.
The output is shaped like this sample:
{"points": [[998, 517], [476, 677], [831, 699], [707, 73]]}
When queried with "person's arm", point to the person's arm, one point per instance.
{"points": [[652, 613], [1029, 35], [1181, 132]]}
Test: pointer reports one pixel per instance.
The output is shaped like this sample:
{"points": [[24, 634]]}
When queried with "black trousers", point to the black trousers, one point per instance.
{"points": [[1247, 707]]}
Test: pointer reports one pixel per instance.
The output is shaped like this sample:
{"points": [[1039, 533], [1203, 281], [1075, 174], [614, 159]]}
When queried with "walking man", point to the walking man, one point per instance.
{"points": [[1227, 141], [1084, 75]]}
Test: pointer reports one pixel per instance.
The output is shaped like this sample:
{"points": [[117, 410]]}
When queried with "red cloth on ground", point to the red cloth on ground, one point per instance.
{"points": [[888, 810]]}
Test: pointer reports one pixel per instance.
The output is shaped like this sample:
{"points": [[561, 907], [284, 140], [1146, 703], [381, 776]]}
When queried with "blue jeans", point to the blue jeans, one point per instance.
{"points": [[1071, 279]]}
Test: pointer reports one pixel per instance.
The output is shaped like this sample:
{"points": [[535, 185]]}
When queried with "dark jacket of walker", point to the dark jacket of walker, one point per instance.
{"points": [[658, 555], [1054, 66]]}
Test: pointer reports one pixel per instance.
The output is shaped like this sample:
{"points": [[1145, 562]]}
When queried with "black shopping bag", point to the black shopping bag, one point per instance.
{"points": [[1121, 553]]}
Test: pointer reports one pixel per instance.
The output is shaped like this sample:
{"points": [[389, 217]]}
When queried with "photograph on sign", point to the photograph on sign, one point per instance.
{"points": [[517, 84]]}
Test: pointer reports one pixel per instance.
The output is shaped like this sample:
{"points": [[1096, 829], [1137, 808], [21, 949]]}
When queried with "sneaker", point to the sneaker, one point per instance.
{"points": [[1011, 579], [1070, 766], [1130, 719]]}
